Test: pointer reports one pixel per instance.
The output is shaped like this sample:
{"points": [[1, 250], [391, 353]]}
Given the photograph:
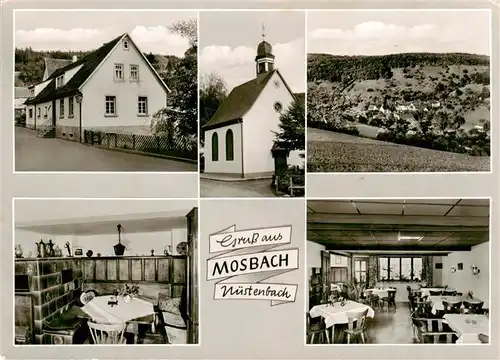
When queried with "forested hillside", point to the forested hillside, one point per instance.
{"points": [[438, 101]]}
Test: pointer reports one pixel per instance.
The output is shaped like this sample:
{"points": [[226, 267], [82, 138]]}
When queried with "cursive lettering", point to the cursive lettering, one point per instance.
{"points": [[230, 241]]}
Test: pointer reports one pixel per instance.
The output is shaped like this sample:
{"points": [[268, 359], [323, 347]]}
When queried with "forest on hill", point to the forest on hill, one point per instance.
{"points": [[336, 68]]}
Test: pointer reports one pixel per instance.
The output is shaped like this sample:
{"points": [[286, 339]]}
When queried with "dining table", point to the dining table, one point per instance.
{"points": [[468, 327], [380, 292], [437, 301], [337, 313], [110, 309]]}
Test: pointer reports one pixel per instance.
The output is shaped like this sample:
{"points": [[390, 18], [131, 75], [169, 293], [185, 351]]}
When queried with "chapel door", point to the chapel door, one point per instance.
{"points": [[325, 274], [192, 277]]}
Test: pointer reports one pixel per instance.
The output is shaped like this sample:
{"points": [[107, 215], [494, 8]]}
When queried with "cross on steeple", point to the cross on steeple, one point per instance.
{"points": [[263, 31]]}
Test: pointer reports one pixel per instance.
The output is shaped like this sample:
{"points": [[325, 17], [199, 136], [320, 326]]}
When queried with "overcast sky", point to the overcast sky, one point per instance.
{"points": [[87, 30], [384, 32], [228, 43]]}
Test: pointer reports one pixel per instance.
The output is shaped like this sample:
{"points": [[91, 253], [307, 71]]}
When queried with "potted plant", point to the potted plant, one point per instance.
{"points": [[128, 292], [355, 289]]}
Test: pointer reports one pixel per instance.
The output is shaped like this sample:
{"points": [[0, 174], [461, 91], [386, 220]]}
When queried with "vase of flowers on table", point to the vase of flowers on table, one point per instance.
{"points": [[331, 299], [470, 295], [128, 292], [342, 301]]}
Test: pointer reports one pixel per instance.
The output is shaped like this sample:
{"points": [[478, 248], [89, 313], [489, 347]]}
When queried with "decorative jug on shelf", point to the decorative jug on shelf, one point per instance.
{"points": [[167, 250], [40, 247], [18, 251]]}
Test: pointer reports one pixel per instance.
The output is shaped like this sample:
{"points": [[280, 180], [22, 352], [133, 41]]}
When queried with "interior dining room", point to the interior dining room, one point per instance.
{"points": [[398, 271], [105, 271]]}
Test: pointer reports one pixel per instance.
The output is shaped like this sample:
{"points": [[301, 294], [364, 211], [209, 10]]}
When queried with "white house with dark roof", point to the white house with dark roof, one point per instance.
{"points": [[239, 138], [112, 89]]}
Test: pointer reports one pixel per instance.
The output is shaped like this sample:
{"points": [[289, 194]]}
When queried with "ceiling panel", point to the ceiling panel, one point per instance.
{"points": [[475, 202], [445, 202], [379, 208], [426, 210], [332, 207], [483, 211]]}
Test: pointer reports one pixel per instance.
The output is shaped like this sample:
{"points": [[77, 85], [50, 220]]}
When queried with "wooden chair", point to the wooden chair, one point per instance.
{"points": [[435, 292], [452, 307], [316, 326], [390, 300], [473, 307], [356, 325], [107, 333], [416, 324], [374, 301], [435, 331]]}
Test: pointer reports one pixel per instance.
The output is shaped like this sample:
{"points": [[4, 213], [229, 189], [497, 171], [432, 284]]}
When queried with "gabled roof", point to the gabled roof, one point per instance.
{"points": [[240, 100], [89, 65], [52, 65]]}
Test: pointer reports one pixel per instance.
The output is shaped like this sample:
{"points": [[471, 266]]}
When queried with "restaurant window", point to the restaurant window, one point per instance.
{"points": [[400, 268], [360, 270]]}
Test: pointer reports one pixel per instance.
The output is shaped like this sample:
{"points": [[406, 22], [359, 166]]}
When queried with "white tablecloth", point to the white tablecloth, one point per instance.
{"points": [[337, 314], [380, 292], [468, 327], [99, 310]]}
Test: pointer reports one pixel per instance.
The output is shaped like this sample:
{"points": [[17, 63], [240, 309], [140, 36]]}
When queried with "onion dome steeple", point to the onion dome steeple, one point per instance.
{"points": [[264, 61]]}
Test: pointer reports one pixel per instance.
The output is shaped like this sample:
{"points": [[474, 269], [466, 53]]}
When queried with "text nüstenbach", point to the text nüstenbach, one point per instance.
{"points": [[252, 263], [250, 238], [281, 292]]}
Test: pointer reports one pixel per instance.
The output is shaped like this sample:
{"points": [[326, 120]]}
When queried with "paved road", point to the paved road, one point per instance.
{"points": [[249, 188], [39, 154]]}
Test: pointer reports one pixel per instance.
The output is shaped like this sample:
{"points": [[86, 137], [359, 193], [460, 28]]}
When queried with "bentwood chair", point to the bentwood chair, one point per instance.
{"points": [[107, 333], [390, 300], [356, 325], [452, 307], [473, 307]]}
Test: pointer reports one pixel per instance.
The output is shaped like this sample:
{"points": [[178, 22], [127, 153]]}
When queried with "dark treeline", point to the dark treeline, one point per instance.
{"points": [[337, 68]]}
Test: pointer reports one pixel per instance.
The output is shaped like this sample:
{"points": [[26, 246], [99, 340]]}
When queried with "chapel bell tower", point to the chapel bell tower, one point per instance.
{"points": [[264, 61]]}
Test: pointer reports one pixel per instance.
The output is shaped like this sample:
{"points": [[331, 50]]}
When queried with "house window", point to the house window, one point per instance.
{"points": [[277, 106], [229, 145], [134, 72], [360, 270], [110, 105], [142, 105], [126, 45], [30, 113], [70, 106], [45, 112], [215, 147], [38, 111], [400, 268], [61, 108], [118, 71], [59, 81]]}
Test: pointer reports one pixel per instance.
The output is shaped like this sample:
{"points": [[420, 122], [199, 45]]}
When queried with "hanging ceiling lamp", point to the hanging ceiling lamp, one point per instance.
{"points": [[119, 248]]}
